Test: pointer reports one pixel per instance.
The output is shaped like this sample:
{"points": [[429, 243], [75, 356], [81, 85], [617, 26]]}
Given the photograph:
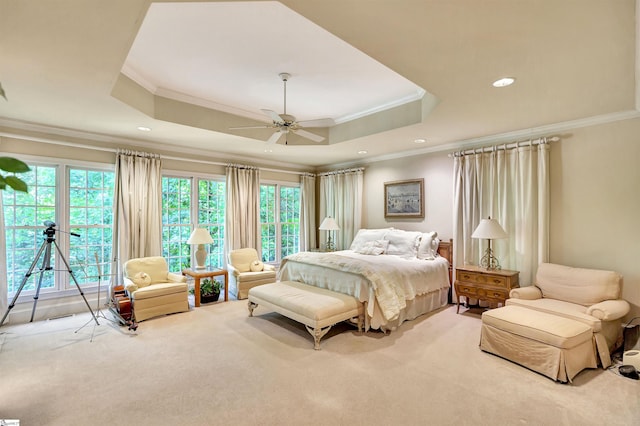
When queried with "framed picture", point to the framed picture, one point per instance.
{"points": [[404, 199]]}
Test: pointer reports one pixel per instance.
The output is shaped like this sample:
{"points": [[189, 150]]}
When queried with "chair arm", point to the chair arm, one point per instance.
{"points": [[231, 270], [268, 267], [609, 310], [129, 285], [176, 278], [526, 293]]}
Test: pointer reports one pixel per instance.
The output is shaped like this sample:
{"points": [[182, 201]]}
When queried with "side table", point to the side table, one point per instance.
{"points": [[198, 274], [482, 284]]}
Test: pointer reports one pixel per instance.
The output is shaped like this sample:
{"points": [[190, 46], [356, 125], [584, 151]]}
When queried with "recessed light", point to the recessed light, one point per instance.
{"points": [[362, 152], [144, 129], [420, 140], [504, 82]]}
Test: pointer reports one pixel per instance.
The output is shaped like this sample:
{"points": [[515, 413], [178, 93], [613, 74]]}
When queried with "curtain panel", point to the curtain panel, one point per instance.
{"points": [[243, 208], [307, 212], [341, 198], [511, 186], [137, 222]]}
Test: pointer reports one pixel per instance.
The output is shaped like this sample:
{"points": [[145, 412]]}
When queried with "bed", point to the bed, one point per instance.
{"points": [[398, 275]]}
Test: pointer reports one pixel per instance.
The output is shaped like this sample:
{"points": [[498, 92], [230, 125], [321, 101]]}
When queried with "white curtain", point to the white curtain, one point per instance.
{"points": [[511, 186], [243, 208], [307, 212], [3, 262], [137, 206], [341, 198]]}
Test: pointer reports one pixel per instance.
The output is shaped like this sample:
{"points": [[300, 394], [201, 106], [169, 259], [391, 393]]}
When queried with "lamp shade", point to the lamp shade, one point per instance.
{"points": [[489, 229], [200, 236], [329, 224]]}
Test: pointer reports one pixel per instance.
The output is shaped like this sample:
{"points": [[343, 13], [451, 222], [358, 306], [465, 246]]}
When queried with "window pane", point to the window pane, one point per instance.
{"points": [[176, 222], [211, 215]]}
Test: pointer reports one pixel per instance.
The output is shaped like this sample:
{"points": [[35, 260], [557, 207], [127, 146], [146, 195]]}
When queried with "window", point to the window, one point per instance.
{"points": [[179, 208], [280, 221], [176, 221], [91, 218], [79, 201]]}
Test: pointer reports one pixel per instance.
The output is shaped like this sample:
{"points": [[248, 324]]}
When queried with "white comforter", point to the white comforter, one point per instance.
{"points": [[391, 280]]}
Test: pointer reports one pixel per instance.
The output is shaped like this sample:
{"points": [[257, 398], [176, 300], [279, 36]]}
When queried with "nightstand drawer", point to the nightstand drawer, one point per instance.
{"points": [[493, 280], [465, 289]]}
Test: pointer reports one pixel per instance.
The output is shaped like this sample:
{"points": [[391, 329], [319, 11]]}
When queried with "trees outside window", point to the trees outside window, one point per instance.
{"points": [[280, 221], [78, 200], [180, 207]]}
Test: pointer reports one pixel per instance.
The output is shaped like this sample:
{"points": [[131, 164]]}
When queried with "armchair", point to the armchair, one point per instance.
{"points": [[589, 296], [247, 271], [153, 289]]}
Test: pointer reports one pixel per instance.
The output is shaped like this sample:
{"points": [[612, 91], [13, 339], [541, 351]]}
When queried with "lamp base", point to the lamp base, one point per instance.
{"points": [[489, 261], [201, 257]]}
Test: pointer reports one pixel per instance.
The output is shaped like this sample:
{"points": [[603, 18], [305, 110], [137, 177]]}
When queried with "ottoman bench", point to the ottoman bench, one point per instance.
{"points": [[317, 308], [554, 346]]}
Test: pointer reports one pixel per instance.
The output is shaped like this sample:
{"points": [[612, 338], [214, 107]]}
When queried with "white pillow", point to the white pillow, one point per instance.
{"points": [[365, 235], [141, 279], [374, 248], [256, 266], [428, 248], [403, 243]]}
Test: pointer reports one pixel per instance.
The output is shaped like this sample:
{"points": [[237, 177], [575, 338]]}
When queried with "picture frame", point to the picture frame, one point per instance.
{"points": [[404, 199]]}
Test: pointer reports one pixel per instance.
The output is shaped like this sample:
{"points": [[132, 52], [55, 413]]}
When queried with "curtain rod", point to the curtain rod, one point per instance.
{"points": [[505, 146], [336, 172]]}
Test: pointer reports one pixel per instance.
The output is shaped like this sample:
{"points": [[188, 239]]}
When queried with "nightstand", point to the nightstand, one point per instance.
{"points": [[479, 283]]}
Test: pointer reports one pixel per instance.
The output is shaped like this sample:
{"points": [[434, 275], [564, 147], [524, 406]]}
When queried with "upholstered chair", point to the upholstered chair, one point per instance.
{"points": [[247, 271], [153, 289]]}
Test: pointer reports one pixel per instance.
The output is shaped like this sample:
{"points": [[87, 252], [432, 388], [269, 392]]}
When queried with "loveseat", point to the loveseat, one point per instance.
{"points": [[589, 296]]}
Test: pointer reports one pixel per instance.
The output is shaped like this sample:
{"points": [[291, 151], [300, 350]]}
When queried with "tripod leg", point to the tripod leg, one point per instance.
{"points": [[73, 277], [46, 266], [24, 281]]}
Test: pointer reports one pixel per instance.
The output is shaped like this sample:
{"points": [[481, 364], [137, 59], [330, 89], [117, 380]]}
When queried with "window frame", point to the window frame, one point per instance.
{"points": [[278, 223]]}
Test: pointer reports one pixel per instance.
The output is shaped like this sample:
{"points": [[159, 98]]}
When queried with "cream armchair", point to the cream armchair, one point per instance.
{"points": [[589, 296], [247, 271], [153, 289]]}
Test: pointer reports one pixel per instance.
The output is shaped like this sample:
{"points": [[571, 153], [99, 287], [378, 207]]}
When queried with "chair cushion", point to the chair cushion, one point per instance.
{"points": [[155, 266], [546, 328], [247, 277], [577, 285], [161, 289], [561, 308], [241, 258]]}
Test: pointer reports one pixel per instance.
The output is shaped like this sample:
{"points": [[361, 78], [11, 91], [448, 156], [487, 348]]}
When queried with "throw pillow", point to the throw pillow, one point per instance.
{"points": [[257, 266], [428, 248], [141, 279]]}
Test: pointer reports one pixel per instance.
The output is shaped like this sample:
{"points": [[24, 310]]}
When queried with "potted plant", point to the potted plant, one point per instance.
{"points": [[209, 290]]}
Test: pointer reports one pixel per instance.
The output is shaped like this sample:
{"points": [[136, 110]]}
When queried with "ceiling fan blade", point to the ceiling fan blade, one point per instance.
{"points": [[308, 135], [273, 115], [250, 127], [321, 122], [274, 138]]}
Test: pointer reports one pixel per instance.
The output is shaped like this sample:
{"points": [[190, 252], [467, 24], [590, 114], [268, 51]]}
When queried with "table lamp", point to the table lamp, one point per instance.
{"points": [[489, 229], [200, 237], [329, 224]]}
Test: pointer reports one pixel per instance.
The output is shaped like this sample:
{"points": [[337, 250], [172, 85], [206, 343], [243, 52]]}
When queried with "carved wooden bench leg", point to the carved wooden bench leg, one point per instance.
{"points": [[317, 333], [251, 305]]}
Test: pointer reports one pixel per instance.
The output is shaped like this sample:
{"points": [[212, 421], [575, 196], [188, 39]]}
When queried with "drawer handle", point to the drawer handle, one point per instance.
{"points": [[497, 281]]}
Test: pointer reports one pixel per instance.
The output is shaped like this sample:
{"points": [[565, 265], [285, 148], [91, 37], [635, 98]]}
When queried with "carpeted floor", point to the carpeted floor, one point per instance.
{"points": [[216, 366]]}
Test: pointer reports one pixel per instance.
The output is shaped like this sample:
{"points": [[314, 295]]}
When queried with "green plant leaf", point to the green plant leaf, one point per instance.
{"points": [[16, 184], [13, 165]]}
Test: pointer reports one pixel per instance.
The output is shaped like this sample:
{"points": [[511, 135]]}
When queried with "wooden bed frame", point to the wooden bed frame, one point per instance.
{"points": [[445, 249]]}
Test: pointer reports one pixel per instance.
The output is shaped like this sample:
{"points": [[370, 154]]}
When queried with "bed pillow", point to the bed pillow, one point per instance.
{"points": [[366, 235], [428, 248], [403, 243], [374, 248]]}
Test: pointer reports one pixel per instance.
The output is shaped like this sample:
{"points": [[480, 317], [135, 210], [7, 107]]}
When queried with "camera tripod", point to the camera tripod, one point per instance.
{"points": [[45, 248]]}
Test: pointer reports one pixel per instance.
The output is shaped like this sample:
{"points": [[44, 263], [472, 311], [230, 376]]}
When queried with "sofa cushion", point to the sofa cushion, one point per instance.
{"points": [[559, 307], [577, 285]]}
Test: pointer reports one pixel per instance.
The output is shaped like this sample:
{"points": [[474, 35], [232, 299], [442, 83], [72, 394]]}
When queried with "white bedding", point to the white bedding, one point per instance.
{"points": [[385, 282]]}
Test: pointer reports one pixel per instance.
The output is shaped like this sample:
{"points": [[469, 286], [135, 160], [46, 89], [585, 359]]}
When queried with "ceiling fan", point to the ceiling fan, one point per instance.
{"points": [[285, 123]]}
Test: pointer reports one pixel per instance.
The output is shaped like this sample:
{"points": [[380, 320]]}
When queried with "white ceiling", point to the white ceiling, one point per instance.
{"points": [[189, 70]]}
